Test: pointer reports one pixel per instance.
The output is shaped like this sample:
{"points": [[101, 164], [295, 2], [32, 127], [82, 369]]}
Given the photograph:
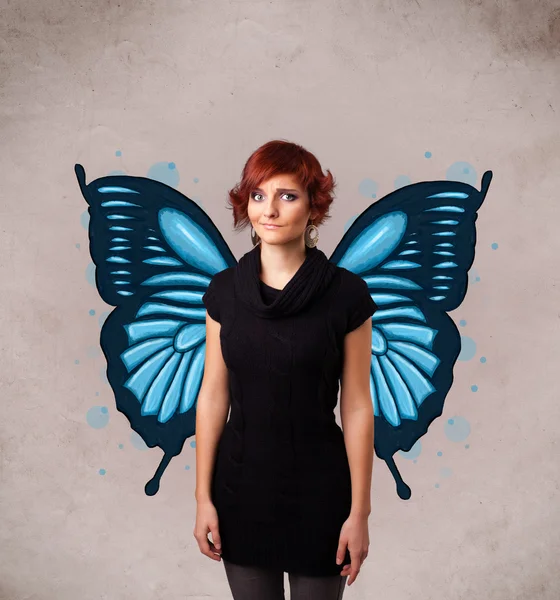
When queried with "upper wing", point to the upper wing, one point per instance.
{"points": [[413, 248], [155, 252]]}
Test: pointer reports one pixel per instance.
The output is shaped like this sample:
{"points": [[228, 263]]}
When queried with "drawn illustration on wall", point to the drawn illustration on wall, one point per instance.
{"points": [[156, 250]]}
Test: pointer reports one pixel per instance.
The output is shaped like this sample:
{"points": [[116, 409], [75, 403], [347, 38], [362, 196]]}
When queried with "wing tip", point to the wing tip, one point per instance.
{"points": [[485, 184], [81, 176]]}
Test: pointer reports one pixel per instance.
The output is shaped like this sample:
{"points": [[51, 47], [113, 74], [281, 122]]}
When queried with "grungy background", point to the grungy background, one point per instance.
{"points": [[384, 93]]}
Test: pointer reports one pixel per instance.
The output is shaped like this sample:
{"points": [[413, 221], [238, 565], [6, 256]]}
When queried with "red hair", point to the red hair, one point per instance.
{"points": [[279, 157]]}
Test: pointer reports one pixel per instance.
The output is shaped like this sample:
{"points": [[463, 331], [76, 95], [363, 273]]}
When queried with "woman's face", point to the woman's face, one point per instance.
{"points": [[279, 201]]}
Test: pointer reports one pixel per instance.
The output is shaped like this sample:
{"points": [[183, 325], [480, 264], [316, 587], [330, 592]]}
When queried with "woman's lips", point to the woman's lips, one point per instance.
{"points": [[266, 226]]}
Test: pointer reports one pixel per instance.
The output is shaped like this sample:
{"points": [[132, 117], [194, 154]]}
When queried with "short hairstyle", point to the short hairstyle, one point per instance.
{"points": [[280, 157]]}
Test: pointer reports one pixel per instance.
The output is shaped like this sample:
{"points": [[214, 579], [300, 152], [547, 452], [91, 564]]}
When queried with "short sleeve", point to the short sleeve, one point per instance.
{"points": [[211, 300], [361, 305]]}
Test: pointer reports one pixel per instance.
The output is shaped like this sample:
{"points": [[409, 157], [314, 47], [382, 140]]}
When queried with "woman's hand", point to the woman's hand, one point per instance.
{"points": [[207, 521], [355, 535]]}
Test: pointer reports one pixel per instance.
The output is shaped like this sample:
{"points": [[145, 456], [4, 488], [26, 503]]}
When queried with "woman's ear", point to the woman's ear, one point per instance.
{"points": [[313, 215]]}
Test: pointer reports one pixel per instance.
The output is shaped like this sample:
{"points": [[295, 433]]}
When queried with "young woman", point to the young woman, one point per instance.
{"points": [[280, 486]]}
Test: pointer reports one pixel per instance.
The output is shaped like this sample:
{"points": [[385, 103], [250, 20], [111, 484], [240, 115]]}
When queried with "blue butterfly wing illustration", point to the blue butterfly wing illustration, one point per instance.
{"points": [[413, 248], [155, 252]]}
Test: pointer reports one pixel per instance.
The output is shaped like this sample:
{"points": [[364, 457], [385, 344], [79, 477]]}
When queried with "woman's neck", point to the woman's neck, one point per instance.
{"points": [[280, 262]]}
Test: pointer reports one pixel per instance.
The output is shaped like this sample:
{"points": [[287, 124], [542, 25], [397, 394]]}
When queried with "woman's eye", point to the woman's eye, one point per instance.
{"points": [[291, 199]]}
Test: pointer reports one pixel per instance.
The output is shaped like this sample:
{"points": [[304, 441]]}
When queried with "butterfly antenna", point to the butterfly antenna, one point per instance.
{"points": [[81, 175], [486, 179]]}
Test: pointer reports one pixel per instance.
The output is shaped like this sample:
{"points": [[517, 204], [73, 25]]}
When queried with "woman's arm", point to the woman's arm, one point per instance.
{"points": [[211, 411], [356, 414]]}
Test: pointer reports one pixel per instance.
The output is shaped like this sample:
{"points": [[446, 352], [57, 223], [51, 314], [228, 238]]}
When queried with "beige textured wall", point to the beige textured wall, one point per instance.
{"points": [[369, 87]]}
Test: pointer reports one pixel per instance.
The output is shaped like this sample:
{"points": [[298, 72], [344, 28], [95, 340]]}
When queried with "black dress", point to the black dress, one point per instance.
{"points": [[281, 482]]}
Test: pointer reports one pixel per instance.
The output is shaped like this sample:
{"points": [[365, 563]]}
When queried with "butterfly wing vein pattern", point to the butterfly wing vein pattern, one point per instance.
{"points": [[156, 251], [413, 248]]}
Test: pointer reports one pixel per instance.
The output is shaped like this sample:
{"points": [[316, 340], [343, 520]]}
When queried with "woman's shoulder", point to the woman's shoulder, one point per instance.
{"points": [[218, 289], [354, 299], [350, 282], [221, 279]]}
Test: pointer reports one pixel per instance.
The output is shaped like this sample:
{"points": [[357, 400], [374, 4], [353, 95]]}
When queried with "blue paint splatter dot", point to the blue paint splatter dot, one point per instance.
{"points": [[90, 274], [495, 246], [97, 393], [483, 359], [401, 181], [102, 317], [78, 246], [462, 322], [445, 472], [137, 441], [413, 453], [118, 153], [467, 445], [92, 312], [97, 418], [414, 461], [468, 348], [196, 180], [76, 362], [102, 471], [164, 172], [474, 388], [368, 188], [457, 429], [437, 485], [440, 453], [193, 444], [121, 446], [187, 468], [473, 276], [84, 219], [462, 171], [349, 223], [428, 154]]}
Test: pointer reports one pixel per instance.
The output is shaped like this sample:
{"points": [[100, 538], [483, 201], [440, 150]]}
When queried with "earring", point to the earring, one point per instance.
{"points": [[311, 241], [254, 237]]}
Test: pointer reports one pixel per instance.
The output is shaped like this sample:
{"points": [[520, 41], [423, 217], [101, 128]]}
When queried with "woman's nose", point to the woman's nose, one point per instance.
{"points": [[270, 210]]}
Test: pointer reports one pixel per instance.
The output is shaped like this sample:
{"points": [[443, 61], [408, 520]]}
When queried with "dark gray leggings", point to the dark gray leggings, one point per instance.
{"points": [[258, 583]]}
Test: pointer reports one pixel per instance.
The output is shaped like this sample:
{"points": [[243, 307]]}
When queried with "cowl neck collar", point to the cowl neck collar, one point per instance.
{"points": [[309, 282]]}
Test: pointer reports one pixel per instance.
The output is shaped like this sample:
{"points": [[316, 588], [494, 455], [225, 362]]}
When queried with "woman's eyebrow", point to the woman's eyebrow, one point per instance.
{"points": [[278, 190]]}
